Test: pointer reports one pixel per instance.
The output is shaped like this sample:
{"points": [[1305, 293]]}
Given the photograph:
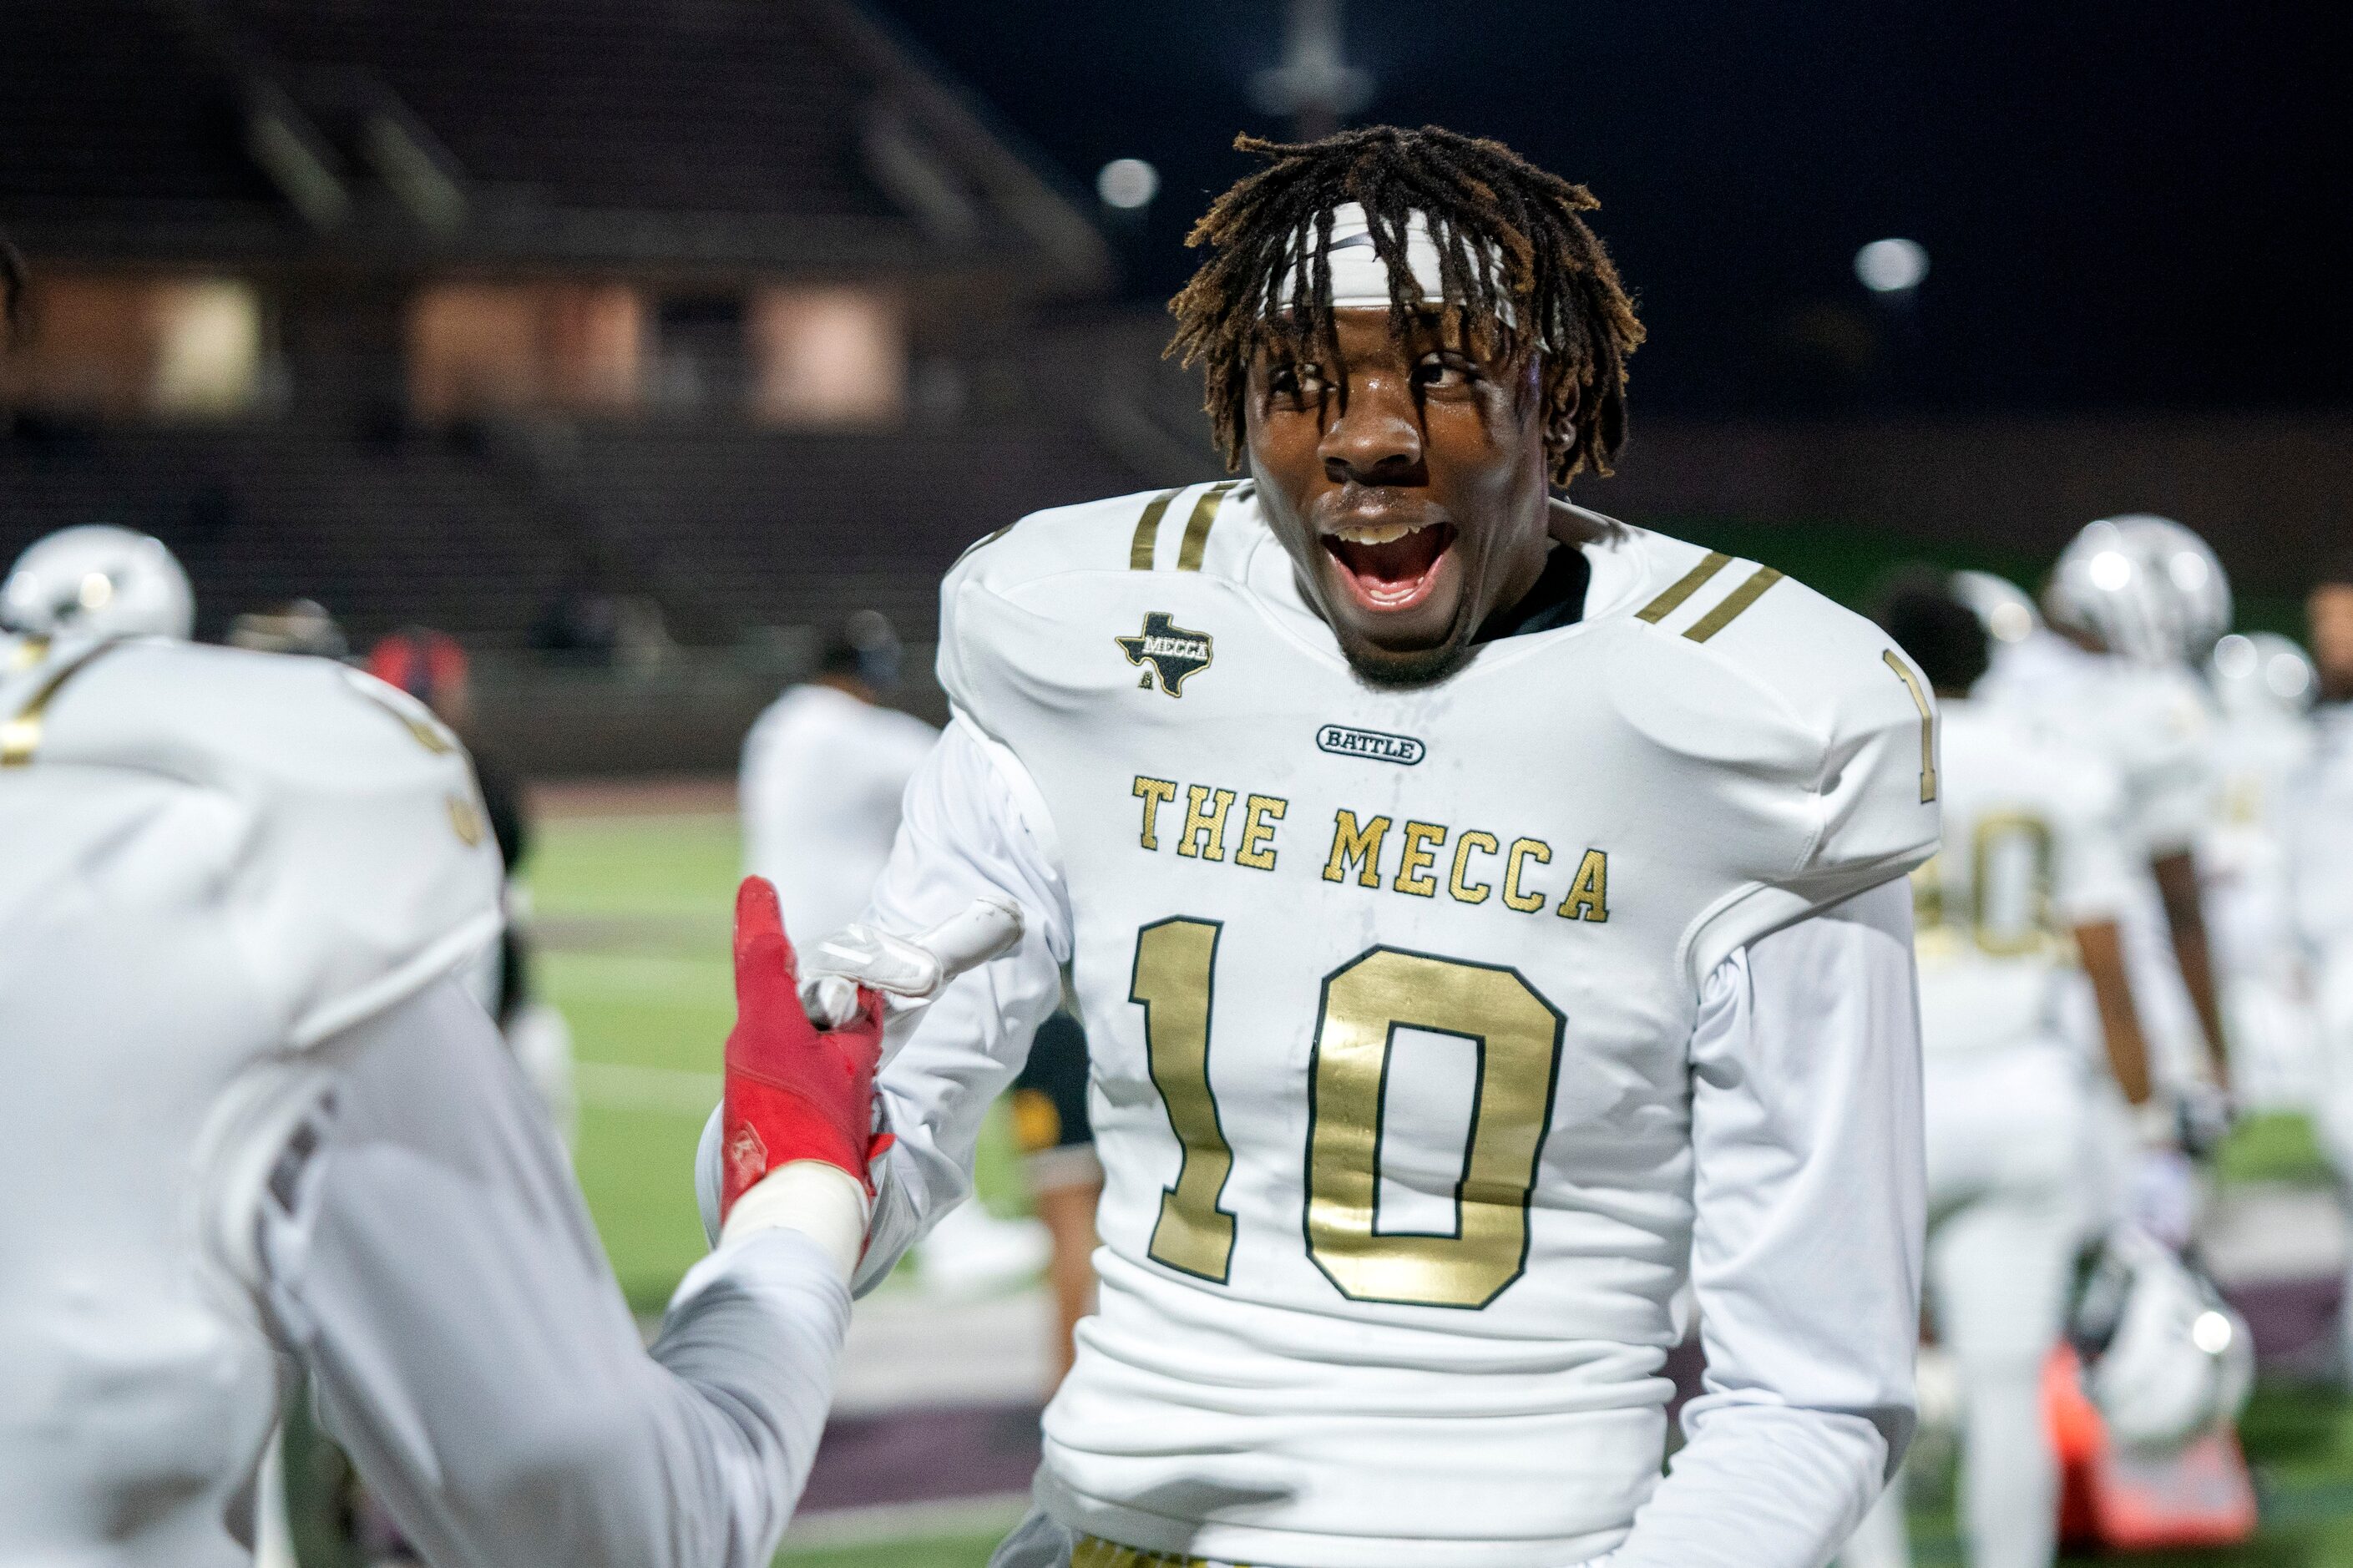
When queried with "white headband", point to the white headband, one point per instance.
{"points": [[1360, 280]]}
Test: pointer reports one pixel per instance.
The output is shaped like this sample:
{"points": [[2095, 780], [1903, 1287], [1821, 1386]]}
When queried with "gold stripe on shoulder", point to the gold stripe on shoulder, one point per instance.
{"points": [[1739, 599], [20, 737], [1196, 527], [1147, 529], [1690, 583], [29, 652]]}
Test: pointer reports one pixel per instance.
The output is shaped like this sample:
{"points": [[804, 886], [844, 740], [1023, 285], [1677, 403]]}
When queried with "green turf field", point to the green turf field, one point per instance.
{"points": [[634, 912]]}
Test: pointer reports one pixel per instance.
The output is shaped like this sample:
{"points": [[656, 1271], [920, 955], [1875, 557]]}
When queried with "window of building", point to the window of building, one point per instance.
{"points": [[487, 348], [127, 347], [832, 357]]}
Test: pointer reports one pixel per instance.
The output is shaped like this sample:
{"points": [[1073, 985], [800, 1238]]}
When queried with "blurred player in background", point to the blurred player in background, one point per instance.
{"points": [[825, 770], [2264, 688], [298, 626], [2034, 874], [2139, 599], [433, 667], [1056, 1134], [1487, 918], [2320, 838]]}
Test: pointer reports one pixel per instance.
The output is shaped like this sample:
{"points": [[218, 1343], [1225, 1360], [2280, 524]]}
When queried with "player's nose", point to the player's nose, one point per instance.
{"points": [[1376, 439]]}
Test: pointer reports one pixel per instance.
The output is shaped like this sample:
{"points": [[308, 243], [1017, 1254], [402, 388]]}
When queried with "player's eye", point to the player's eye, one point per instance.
{"points": [[1444, 372], [1296, 380]]}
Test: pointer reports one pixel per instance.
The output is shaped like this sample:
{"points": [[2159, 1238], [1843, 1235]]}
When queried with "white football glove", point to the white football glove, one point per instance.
{"points": [[908, 971]]}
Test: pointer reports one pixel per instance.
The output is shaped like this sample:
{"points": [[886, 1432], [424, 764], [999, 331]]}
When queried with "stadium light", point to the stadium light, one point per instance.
{"points": [[1127, 183], [2235, 657], [1891, 265]]}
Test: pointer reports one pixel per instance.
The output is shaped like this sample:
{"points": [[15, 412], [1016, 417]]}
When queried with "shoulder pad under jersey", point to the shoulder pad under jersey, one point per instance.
{"points": [[1822, 731], [1041, 562], [362, 867]]}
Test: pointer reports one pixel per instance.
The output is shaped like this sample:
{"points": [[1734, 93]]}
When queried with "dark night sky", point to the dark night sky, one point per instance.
{"points": [[2126, 203]]}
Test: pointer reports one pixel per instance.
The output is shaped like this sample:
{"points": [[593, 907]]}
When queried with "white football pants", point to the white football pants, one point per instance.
{"points": [[2005, 1130]]}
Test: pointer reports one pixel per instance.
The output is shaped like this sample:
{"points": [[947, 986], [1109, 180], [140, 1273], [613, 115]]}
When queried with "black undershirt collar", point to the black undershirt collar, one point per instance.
{"points": [[1556, 600]]}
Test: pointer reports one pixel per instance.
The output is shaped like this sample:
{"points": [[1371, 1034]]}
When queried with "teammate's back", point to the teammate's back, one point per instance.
{"points": [[2032, 834], [208, 861]]}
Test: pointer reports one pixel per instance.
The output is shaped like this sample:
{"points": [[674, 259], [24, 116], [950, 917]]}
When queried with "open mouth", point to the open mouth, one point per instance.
{"points": [[1390, 565]]}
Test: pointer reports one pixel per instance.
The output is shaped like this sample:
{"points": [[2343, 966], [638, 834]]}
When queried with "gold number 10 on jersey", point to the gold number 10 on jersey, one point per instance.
{"points": [[1516, 1038]]}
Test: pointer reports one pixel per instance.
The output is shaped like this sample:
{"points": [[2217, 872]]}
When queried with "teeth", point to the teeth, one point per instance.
{"points": [[1375, 533]]}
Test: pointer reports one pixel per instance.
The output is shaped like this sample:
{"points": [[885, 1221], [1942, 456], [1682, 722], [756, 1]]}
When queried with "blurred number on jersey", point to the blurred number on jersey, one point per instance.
{"points": [[2004, 911]]}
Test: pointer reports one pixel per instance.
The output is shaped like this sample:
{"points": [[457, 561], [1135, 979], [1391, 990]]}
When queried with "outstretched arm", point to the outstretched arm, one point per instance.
{"points": [[421, 1247], [975, 830], [1806, 1252]]}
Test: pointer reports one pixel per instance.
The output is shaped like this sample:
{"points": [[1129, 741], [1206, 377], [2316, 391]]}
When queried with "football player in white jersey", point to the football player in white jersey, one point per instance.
{"points": [[2135, 599], [1488, 919], [2264, 687], [2034, 874], [2320, 836], [252, 1114]]}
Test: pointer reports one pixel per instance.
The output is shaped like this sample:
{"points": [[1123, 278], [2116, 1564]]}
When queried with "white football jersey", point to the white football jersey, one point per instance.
{"points": [[2154, 728], [1390, 996], [2320, 832], [209, 859], [823, 773], [2244, 866], [2034, 844]]}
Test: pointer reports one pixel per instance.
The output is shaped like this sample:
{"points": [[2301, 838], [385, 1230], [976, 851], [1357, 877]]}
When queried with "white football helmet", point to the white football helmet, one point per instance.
{"points": [[2146, 586], [2257, 673], [97, 580], [2005, 610], [2166, 1357]]}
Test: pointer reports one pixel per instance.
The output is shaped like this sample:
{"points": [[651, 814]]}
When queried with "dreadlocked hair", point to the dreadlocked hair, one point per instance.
{"points": [[1268, 282]]}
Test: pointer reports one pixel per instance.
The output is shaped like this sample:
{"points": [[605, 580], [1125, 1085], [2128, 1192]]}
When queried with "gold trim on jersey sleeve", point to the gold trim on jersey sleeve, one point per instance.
{"points": [[1196, 527], [1147, 529], [1690, 583], [1927, 724], [20, 736], [1735, 602]]}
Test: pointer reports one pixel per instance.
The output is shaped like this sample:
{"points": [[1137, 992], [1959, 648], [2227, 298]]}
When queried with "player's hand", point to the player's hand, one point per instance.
{"points": [[793, 1092], [2205, 1114], [908, 971], [2162, 1199]]}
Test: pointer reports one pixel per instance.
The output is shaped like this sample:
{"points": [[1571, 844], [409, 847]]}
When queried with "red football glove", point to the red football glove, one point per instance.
{"points": [[793, 1093]]}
